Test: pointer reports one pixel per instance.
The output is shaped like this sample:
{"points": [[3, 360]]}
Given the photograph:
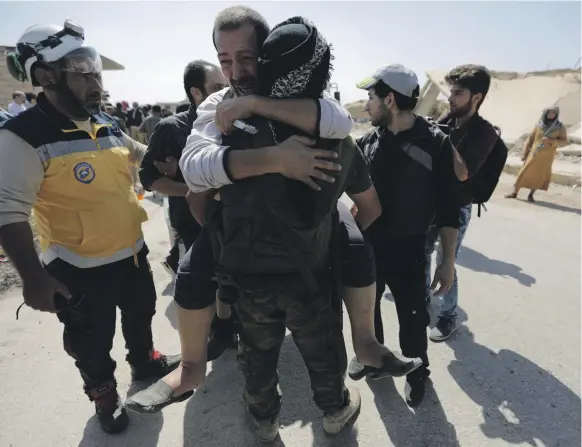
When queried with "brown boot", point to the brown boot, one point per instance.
{"points": [[108, 407]]}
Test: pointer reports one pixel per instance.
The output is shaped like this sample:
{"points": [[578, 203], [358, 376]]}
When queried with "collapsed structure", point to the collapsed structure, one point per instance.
{"points": [[515, 101]]}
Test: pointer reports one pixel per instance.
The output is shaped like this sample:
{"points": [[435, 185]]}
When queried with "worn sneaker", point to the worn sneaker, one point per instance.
{"points": [[334, 422], [110, 412], [168, 268], [443, 329], [157, 367], [267, 430], [414, 390], [395, 364]]}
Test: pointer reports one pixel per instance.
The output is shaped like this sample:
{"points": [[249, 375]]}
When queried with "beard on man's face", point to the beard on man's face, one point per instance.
{"points": [[460, 111], [72, 104], [383, 118]]}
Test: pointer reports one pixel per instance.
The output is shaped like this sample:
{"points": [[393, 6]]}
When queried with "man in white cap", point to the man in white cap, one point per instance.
{"points": [[412, 169]]}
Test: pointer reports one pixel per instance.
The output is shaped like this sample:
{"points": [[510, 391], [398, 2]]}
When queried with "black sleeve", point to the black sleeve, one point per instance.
{"points": [[161, 145], [358, 179], [448, 187]]}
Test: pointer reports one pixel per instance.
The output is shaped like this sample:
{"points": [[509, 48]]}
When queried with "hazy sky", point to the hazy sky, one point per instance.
{"points": [[155, 40]]}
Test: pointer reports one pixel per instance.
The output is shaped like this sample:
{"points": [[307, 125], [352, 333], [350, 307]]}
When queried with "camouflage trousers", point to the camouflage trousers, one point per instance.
{"points": [[316, 329]]}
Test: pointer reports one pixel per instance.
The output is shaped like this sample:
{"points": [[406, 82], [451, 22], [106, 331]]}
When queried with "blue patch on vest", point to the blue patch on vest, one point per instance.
{"points": [[84, 172]]}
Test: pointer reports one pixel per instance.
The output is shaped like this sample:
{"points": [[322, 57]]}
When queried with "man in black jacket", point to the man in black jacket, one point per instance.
{"points": [[160, 173], [412, 169]]}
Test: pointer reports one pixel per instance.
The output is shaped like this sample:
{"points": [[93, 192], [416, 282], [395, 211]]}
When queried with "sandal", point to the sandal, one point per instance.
{"points": [[155, 398]]}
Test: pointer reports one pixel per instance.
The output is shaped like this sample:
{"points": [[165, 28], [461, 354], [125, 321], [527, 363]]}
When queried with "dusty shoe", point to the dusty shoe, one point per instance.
{"points": [[155, 398], [396, 365], [158, 366], [414, 390], [267, 430], [109, 409], [334, 422], [444, 328], [357, 371]]}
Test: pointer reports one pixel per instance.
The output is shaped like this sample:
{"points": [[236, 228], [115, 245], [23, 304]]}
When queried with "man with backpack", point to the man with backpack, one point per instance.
{"points": [[411, 166], [479, 155]]}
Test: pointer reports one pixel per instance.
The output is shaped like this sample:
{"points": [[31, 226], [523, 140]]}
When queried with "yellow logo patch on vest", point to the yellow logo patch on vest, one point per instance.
{"points": [[84, 172]]}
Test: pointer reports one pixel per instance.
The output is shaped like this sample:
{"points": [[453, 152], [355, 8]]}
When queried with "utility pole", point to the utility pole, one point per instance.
{"points": [[336, 93]]}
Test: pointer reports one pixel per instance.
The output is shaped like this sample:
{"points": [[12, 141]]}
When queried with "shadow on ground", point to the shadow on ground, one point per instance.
{"points": [[218, 414], [426, 425], [556, 207], [521, 402], [478, 262], [143, 430]]}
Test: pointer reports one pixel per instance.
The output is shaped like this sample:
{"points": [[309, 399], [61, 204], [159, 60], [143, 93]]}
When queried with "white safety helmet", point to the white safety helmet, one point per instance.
{"points": [[49, 44]]}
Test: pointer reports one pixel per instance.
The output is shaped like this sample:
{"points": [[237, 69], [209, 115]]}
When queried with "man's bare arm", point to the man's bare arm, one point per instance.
{"points": [[449, 243], [18, 243], [169, 187], [368, 206], [461, 170], [302, 113]]}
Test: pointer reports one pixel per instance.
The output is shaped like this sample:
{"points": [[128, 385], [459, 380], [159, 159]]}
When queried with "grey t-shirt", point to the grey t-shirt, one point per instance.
{"points": [[149, 124]]}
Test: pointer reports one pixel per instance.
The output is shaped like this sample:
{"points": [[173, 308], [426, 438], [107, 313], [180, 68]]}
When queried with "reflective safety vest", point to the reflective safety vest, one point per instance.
{"points": [[87, 211]]}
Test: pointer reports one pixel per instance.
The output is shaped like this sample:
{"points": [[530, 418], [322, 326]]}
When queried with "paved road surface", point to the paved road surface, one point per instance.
{"points": [[510, 376]]}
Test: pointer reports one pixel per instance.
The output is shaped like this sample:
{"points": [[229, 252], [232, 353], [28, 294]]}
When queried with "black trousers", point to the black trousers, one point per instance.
{"points": [[89, 325], [316, 329], [195, 288], [400, 264]]}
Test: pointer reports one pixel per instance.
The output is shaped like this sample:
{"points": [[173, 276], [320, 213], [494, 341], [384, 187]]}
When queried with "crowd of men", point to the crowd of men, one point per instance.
{"points": [[253, 171]]}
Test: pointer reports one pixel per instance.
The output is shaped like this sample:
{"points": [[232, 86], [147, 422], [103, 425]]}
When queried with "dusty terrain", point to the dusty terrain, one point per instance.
{"points": [[509, 376]]}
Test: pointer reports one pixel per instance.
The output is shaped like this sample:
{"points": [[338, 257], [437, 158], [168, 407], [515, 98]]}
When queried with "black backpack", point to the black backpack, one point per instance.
{"points": [[483, 184]]}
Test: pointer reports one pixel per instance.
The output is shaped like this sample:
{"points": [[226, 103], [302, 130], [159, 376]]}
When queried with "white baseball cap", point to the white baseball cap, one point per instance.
{"points": [[396, 76]]}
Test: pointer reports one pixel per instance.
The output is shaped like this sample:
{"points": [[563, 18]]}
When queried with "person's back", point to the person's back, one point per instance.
{"points": [[273, 257], [148, 124], [291, 225]]}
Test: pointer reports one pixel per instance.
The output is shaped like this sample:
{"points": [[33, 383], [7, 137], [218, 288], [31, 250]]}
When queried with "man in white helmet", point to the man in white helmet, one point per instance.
{"points": [[71, 163]]}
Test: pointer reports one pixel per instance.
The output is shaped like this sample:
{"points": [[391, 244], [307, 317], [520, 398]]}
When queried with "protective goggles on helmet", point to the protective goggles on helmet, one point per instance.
{"points": [[84, 60]]}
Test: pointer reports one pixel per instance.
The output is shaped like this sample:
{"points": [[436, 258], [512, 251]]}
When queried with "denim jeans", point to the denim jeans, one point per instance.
{"points": [[451, 298]]}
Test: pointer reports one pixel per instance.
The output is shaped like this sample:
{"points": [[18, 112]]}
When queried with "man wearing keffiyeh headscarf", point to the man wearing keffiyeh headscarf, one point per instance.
{"points": [[279, 278]]}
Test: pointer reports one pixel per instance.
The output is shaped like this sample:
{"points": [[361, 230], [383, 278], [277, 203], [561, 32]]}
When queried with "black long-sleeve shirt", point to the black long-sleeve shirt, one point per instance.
{"points": [[414, 176], [168, 140]]}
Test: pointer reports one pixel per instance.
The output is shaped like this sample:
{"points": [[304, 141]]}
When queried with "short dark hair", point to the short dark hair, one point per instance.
{"points": [[475, 78], [30, 96], [182, 108], [233, 18], [403, 102], [195, 76], [157, 109]]}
